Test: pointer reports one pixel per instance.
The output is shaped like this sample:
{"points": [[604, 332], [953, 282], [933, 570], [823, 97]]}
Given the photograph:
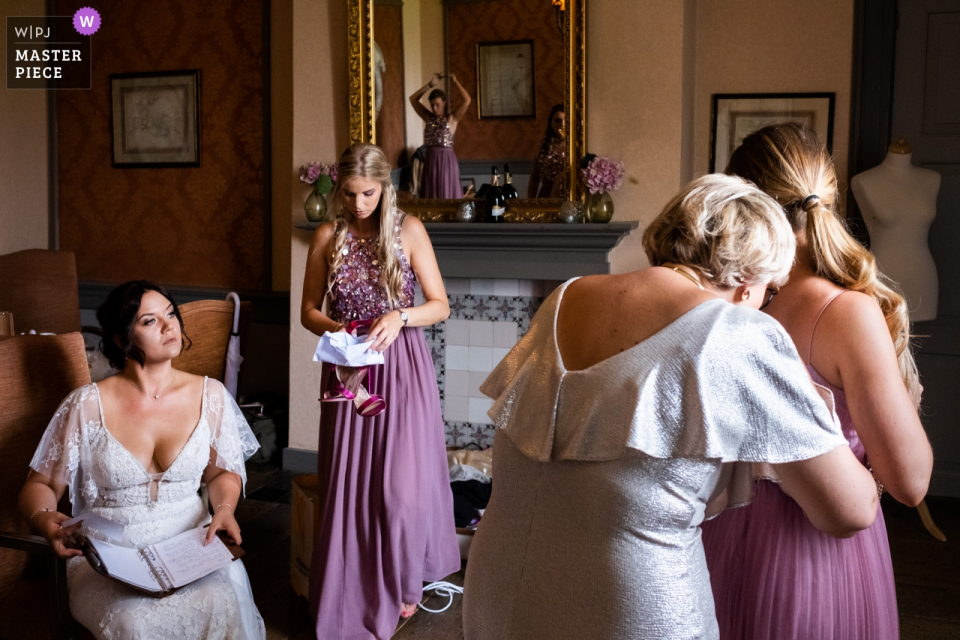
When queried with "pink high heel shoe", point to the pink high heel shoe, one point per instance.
{"points": [[346, 384]]}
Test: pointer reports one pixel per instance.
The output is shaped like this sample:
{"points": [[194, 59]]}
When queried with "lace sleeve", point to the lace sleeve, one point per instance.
{"points": [[231, 440], [63, 448]]}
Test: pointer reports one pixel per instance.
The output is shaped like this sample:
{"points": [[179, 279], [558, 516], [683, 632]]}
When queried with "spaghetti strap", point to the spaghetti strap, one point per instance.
{"points": [[817, 321]]}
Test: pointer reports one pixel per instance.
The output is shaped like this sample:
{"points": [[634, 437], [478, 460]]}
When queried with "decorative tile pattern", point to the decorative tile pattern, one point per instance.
{"points": [[462, 433], [481, 330]]}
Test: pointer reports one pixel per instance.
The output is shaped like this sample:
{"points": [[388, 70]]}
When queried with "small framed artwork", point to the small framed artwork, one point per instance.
{"points": [[505, 80], [737, 115], [156, 119]]}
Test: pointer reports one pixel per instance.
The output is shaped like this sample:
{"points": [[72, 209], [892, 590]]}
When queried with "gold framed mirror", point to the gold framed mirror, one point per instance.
{"points": [[370, 91]]}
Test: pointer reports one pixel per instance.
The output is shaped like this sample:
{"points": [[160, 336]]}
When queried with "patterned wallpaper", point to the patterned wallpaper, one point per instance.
{"points": [[470, 23], [200, 226]]}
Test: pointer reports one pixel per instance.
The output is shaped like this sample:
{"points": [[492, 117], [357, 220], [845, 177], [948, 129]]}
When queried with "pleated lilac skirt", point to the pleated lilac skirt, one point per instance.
{"points": [[441, 174], [387, 516], [776, 577]]}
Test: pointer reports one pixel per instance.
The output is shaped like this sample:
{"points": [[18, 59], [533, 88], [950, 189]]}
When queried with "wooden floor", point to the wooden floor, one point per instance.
{"points": [[927, 571]]}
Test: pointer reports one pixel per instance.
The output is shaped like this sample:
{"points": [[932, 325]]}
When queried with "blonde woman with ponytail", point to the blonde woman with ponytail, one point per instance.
{"points": [[386, 525], [774, 575]]}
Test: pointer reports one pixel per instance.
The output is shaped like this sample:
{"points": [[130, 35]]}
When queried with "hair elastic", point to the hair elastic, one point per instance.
{"points": [[810, 198]]}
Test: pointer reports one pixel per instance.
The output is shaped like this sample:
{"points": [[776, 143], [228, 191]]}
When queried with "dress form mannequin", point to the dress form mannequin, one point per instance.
{"points": [[899, 203]]}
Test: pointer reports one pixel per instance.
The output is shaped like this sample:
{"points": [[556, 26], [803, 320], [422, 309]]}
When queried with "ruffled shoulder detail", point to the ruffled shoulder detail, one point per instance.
{"points": [[721, 382], [231, 440], [65, 445]]}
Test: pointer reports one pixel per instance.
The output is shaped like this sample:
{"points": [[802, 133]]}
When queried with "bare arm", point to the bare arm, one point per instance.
{"points": [[40, 492], [464, 101], [315, 283], [435, 308], [852, 345], [224, 489], [835, 491], [421, 110]]}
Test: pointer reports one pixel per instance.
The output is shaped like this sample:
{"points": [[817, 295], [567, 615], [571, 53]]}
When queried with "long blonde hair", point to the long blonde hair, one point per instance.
{"points": [[363, 160], [788, 163]]}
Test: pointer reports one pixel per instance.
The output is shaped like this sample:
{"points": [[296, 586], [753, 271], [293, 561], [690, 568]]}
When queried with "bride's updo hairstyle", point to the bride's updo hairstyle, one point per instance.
{"points": [[363, 160], [725, 228], [790, 164], [118, 315]]}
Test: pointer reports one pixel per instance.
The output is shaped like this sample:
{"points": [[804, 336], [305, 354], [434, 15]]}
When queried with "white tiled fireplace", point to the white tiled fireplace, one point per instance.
{"points": [[487, 318]]}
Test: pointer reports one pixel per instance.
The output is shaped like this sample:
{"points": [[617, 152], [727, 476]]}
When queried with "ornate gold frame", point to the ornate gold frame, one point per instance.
{"points": [[360, 63], [363, 115]]}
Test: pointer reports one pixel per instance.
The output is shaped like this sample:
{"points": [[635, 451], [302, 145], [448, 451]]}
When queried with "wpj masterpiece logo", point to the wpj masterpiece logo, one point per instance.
{"points": [[51, 52]]}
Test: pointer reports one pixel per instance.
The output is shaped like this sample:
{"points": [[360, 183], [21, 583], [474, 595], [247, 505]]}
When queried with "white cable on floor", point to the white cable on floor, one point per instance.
{"points": [[442, 589]]}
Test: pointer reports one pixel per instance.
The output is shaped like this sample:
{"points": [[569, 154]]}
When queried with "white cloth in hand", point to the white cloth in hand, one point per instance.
{"points": [[343, 349]]}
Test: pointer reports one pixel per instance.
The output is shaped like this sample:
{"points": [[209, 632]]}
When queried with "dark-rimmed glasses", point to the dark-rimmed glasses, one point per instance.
{"points": [[768, 298]]}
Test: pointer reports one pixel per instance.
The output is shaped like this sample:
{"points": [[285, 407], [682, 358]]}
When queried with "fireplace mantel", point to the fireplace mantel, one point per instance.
{"points": [[523, 251]]}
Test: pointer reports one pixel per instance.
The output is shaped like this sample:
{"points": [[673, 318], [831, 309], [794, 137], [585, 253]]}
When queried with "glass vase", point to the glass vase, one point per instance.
{"points": [[599, 207], [315, 207]]}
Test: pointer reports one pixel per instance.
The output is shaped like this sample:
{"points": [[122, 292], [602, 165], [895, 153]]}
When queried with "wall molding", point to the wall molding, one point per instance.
{"points": [[299, 460], [871, 101], [269, 307]]}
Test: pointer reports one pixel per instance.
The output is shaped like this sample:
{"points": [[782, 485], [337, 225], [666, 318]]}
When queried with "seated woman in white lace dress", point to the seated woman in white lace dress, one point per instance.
{"points": [[136, 449]]}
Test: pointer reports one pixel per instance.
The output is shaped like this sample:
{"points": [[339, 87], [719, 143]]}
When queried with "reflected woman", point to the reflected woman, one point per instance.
{"points": [[546, 180], [441, 173]]}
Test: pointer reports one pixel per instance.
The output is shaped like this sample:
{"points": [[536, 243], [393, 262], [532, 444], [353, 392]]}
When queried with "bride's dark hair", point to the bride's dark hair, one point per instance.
{"points": [[118, 315]]}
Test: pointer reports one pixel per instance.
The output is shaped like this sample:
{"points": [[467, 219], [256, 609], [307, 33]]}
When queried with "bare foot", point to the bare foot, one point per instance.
{"points": [[407, 609]]}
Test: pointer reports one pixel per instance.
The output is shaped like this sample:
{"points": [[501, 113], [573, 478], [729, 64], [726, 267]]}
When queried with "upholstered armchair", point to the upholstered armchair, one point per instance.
{"points": [[36, 374]]}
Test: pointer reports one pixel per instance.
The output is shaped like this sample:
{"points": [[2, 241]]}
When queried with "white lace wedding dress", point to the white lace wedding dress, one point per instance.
{"points": [[104, 478]]}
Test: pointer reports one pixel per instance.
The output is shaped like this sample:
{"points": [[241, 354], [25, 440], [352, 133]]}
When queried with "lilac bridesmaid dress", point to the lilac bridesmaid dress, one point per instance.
{"points": [[777, 577], [441, 171], [387, 518]]}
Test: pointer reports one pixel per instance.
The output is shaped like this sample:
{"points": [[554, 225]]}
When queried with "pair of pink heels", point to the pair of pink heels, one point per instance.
{"points": [[346, 383]]}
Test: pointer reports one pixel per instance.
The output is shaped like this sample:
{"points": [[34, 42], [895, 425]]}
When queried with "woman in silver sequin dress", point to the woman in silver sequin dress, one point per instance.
{"points": [[441, 171], [619, 431]]}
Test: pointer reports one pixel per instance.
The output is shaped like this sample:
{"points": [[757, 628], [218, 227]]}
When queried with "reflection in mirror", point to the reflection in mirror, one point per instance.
{"points": [[447, 113]]}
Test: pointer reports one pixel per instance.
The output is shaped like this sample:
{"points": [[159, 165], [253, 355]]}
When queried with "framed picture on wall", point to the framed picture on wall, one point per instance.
{"points": [[737, 115], [156, 119], [505, 80]]}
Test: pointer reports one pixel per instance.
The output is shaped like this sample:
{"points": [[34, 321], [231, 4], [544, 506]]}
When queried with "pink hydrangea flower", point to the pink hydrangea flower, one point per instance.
{"points": [[602, 174], [310, 172]]}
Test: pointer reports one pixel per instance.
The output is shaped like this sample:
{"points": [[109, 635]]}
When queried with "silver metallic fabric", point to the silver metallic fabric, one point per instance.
{"points": [[603, 475]]}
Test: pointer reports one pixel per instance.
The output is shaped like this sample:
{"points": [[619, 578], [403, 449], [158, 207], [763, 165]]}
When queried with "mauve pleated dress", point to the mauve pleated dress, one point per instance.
{"points": [[387, 518], [776, 577], [441, 171]]}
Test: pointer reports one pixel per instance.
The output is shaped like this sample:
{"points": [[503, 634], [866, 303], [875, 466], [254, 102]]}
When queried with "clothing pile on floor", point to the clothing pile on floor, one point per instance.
{"points": [[471, 476]]}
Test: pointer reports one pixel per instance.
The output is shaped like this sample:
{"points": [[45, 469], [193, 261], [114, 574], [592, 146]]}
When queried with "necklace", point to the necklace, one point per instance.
{"points": [[162, 391], [688, 276]]}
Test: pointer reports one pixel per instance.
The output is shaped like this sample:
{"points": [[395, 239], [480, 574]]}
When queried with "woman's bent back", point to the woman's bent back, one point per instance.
{"points": [[617, 430]]}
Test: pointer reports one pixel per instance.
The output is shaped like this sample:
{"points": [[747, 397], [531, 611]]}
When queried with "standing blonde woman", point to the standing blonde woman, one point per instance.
{"points": [[774, 575], [626, 409], [387, 520]]}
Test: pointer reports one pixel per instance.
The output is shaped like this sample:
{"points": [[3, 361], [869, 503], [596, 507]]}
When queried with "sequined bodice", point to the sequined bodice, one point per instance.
{"points": [[551, 158], [436, 133], [356, 293]]}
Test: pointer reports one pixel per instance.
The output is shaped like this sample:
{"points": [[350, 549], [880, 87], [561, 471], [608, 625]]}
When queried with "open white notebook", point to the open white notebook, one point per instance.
{"points": [[159, 569]]}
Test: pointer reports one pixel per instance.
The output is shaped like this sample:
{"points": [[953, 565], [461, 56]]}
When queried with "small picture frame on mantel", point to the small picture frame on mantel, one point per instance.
{"points": [[737, 115], [156, 119]]}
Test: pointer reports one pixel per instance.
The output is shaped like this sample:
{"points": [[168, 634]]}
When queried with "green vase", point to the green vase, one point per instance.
{"points": [[599, 207], [315, 207]]}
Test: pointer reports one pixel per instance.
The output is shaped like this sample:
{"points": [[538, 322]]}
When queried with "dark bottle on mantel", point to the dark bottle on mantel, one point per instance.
{"points": [[496, 203], [509, 192]]}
